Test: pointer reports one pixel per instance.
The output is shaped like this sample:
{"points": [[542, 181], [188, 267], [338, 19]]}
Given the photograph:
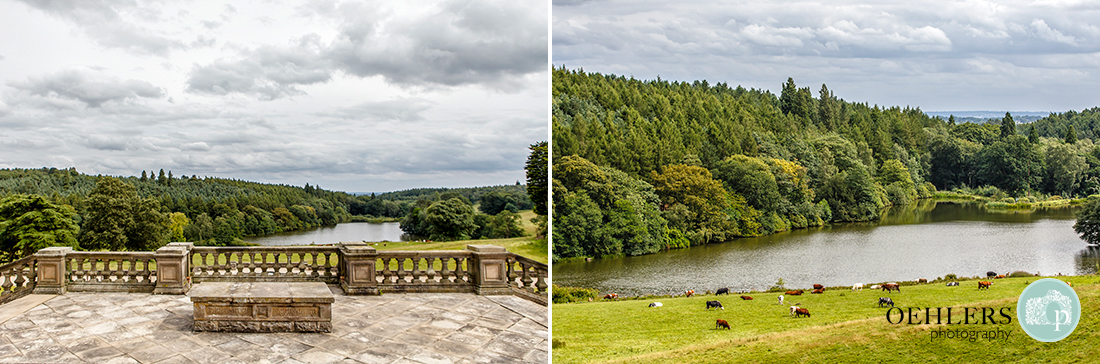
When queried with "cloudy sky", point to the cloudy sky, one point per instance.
{"points": [[348, 95], [1039, 55]]}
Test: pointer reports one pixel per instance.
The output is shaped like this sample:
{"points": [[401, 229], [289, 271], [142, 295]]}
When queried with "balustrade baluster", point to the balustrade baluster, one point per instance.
{"points": [[445, 273], [527, 279], [385, 270], [329, 268], [542, 282]]}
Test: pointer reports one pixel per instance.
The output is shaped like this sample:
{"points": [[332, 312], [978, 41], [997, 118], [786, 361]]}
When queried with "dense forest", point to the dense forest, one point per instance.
{"points": [[50, 206], [641, 166]]}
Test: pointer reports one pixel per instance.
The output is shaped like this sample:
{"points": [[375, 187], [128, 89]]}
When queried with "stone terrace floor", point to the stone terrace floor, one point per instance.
{"points": [[391, 328]]}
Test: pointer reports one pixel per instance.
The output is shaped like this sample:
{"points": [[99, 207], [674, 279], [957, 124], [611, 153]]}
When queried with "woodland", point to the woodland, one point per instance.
{"points": [[642, 166]]}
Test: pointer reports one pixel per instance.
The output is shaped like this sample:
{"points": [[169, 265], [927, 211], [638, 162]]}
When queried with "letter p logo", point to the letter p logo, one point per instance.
{"points": [[1058, 318]]}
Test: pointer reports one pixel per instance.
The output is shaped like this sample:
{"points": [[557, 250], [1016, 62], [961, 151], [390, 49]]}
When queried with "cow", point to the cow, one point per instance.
{"points": [[689, 293], [999, 276], [655, 304], [800, 312], [857, 287], [793, 309], [952, 284], [818, 291], [818, 286], [611, 296], [922, 280], [882, 301], [722, 291], [990, 274], [984, 284], [794, 293], [875, 286], [780, 300], [891, 287], [721, 323], [714, 304], [746, 298]]}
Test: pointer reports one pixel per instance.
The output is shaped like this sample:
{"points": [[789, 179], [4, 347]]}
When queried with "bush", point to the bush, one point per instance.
{"points": [[1020, 273], [951, 276], [1008, 200], [564, 294]]}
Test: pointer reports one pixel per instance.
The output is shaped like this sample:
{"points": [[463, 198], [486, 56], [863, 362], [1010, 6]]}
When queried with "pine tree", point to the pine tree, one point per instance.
{"points": [[1032, 136], [1071, 135], [1008, 127]]}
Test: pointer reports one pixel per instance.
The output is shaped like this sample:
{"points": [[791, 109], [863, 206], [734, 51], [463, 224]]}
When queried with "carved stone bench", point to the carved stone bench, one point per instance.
{"points": [[262, 306]]}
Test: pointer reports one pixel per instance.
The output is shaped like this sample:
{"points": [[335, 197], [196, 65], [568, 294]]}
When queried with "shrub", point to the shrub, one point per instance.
{"points": [[951, 276], [1020, 273], [564, 294]]}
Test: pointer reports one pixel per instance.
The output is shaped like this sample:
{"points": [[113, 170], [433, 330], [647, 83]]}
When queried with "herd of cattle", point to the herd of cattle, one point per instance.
{"points": [[796, 311]]}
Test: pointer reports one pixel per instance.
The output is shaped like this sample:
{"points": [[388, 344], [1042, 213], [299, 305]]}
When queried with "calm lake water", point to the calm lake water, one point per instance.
{"points": [[352, 231], [924, 240]]}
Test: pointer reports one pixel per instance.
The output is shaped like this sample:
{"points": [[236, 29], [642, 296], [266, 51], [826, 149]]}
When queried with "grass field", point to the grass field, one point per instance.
{"points": [[845, 327], [526, 246]]}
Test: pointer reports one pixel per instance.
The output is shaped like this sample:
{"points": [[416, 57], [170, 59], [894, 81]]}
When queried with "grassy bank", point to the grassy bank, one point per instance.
{"points": [[845, 327]]}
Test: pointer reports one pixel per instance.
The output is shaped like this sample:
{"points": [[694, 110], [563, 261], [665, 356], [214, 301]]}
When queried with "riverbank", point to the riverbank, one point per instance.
{"points": [[1010, 203], [527, 245], [845, 326]]}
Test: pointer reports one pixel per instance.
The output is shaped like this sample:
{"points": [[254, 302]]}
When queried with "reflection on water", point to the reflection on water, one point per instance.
{"points": [[354, 231], [923, 240]]}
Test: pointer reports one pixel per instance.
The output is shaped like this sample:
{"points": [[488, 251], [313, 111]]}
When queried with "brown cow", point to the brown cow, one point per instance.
{"points": [[818, 286], [891, 287], [922, 280], [721, 323], [818, 291], [689, 293], [795, 293], [746, 298], [984, 284], [611, 296], [801, 311], [999, 276]]}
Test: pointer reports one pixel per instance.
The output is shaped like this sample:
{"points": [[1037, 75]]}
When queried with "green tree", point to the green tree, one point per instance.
{"points": [[177, 224], [451, 219], [1071, 135], [1032, 136], [494, 202], [693, 199], [1008, 126], [1012, 164], [1088, 222], [29, 223], [1065, 169], [752, 178], [116, 218], [537, 167]]}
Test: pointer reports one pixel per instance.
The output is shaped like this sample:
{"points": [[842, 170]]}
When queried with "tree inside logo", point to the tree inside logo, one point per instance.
{"points": [[1051, 316]]}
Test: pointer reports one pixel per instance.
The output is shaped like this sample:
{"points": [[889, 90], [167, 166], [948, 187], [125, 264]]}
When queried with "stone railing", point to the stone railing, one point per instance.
{"points": [[265, 264], [110, 271], [528, 278], [18, 279], [357, 267]]}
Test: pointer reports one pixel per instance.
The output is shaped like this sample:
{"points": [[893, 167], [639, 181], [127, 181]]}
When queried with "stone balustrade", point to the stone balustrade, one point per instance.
{"points": [[357, 267], [18, 278], [265, 264], [110, 271]]}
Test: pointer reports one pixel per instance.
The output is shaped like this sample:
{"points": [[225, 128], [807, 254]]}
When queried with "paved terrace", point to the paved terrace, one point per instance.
{"points": [[391, 328]]}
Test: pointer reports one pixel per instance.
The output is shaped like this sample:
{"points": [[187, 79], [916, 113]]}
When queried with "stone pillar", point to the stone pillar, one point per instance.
{"points": [[52, 271], [357, 271], [173, 268], [489, 271]]}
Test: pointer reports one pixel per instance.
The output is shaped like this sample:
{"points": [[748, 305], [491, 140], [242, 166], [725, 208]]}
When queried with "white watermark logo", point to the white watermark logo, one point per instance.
{"points": [[1050, 310]]}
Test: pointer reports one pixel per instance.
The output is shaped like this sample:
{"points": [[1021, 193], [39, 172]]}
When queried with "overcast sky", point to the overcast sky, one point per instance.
{"points": [[939, 55], [349, 95]]}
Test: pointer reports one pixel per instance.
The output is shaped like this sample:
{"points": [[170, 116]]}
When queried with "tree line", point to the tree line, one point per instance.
{"points": [[62, 207], [642, 166]]}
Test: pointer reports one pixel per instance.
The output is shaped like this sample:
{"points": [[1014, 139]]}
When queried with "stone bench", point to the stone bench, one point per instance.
{"points": [[262, 307]]}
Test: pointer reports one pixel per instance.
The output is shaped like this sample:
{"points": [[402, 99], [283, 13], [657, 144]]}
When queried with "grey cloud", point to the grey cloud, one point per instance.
{"points": [[268, 72], [100, 19], [461, 42], [405, 109], [89, 88]]}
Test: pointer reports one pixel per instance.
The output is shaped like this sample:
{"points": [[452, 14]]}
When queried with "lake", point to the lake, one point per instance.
{"points": [[923, 240], [352, 231]]}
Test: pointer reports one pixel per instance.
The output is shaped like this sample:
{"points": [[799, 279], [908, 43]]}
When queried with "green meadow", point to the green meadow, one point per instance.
{"points": [[845, 326]]}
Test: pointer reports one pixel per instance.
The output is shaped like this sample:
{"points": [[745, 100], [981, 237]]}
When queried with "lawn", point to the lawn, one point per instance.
{"points": [[527, 246], [845, 327]]}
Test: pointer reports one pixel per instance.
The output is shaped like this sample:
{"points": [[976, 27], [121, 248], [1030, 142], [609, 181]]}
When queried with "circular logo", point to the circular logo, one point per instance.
{"points": [[1048, 310]]}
